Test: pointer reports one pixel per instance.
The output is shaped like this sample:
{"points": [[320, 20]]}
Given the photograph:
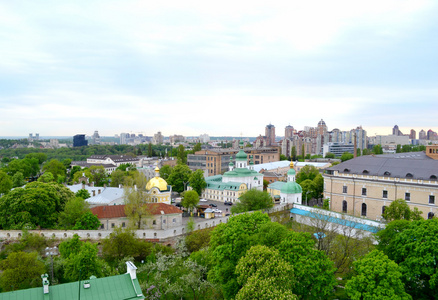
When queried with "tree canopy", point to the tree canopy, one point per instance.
{"points": [[253, 199], [376, 277], [399, 210], [179, 178], [190, 200], [197, 181]]}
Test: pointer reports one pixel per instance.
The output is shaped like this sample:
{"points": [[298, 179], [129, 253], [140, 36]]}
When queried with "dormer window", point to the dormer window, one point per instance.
{"points": [[409, 175], [387, 173], [365, 172], [433, 177], [346, 170]]}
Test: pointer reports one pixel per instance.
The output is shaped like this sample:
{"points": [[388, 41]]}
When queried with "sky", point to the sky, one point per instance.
{"points": [[225, 68]]}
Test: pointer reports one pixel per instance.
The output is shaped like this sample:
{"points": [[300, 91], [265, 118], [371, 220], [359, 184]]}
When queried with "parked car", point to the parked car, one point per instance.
{"points": [[213, 205], [228, 203], [178, 204], [203, 200]]}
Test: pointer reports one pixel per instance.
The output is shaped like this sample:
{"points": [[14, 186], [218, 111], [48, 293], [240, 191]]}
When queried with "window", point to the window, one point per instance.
{"points": [[102, 226], [344, 189], [431, 199], [164, 221], [364, 191], [408, 196], [383, 209], [174, 220], [385, 194], [364, 210], [430, 215], [113, 225], [123, 224], [344, 206], [154, 222]]}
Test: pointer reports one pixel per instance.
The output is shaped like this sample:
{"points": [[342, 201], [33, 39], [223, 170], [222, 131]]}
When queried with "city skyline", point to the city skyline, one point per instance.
{"points": [[225, 68]]}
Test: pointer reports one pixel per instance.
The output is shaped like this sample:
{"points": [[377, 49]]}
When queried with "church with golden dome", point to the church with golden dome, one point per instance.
{"points": [[157, 189]]}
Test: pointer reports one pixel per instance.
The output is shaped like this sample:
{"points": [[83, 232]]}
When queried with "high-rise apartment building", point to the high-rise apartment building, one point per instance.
{"points": [[270, 135], [422, 135], [288, 132], [413, 135]]}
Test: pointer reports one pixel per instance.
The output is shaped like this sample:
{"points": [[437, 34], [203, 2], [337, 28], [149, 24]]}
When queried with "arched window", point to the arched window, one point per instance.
{"points": [[383, 209], [409, 175], [346, 170], [365, 171], [344, 206], [433, 177], [430, 215], [364, 210], [387, 173]]}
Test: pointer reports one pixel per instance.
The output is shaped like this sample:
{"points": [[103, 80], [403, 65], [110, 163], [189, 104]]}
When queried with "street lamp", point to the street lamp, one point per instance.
{"points": [[307, 204], [50, 251], [185, 182]]}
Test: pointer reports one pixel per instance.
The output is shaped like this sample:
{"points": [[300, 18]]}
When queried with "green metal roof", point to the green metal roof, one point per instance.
{"points": [[291, 172], [213, 178], [241, 155], [291, 188], [106, 288], [224, 186], [241, 172], [277, 185]]}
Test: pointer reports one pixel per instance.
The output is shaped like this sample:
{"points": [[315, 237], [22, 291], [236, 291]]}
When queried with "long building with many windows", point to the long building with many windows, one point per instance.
{"points": [[366, 185]]}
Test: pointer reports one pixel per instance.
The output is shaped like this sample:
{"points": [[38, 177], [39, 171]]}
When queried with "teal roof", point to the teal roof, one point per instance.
{"points": [[241, 172], [277, 185], [291, 172], [291, 188], [214, 178], [220, 186], [241, 155], [106, 288]]}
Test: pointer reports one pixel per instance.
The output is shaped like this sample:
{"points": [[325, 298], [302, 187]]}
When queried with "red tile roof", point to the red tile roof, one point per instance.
{"points": [[118, 211]]}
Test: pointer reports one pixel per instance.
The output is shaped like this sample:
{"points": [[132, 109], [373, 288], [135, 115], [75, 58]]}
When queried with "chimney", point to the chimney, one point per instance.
{"points": [[98, 191], [131, 269], [120, 186], [45, 283], [94, 193], [104, 186]]}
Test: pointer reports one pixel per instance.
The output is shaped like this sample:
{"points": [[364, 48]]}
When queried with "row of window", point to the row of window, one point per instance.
{"points": [[363, 212], [385, 194]]}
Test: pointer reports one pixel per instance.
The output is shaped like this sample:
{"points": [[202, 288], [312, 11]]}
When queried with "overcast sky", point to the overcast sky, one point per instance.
{"points": [[216, 67]]}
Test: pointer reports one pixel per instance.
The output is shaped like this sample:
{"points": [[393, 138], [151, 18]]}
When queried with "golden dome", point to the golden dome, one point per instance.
{"points": [[157, 182], [291, 164]]}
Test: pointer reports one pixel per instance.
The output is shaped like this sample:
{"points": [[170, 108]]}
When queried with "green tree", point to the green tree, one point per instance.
{"points": [[150, 151], [306, 172], [117, 178], [41, 157], [70, 246], [5, 183], [119, 244], [366, 152], [55, 167], [197, 181], [293, 153], [398, 149], [197, 147], [179, 177], [413, 247], [83, 173], [329, 155], [262, 264], [28, 167], [165, 171], [99, 175], [399, 210], [182, 156], [377, 149], [46, 177], [283, 157], [84, 263], [228, 243], [37, 204], [18, 180], [190, 200], [83, 193], [376, 277], [253, 199], [87, 221], [74, 209], [314, 271], [346, 156], [136, 200], [21, 270]]}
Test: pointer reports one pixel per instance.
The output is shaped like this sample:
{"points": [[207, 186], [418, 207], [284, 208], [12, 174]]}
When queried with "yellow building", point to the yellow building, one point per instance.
{"points": [[158, 190], [366, 185]]}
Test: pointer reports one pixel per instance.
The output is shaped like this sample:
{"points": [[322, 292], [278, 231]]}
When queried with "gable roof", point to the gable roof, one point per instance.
{"points": [[118, 211], [399, 165]]}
